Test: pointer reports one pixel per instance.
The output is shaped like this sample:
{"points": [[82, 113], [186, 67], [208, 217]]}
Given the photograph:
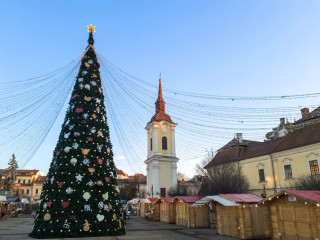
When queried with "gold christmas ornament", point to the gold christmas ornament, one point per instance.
{"points": [[85, 151], [100, 134], [91, 28], [94, 116], [84, 57], [120, 224], [86, 226], [88, 99], [94, 75], [86, 64], [108, 150], [114, 216], [100, 91], [47, 217], [91, 170]]}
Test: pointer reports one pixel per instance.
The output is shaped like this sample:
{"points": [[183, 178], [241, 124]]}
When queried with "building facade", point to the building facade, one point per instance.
{"points": [[161, 161], [273, 165]]}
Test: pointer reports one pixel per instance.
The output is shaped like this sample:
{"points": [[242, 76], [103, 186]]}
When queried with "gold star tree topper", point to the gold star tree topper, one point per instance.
{"points": [[91, 28]]}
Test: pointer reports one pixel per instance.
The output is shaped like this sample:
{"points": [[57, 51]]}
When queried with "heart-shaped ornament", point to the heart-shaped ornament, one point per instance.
{"points": [[107, 179], [65, 204], [100, 217]]}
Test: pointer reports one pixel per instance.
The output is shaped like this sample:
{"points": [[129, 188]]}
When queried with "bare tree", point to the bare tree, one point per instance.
{"points": [[200, 166], [307, 182], [226, 178], [181, 177], [180, 190]]}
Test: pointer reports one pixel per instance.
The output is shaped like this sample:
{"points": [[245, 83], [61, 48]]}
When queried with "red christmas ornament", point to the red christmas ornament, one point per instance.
{"points": [[89, 139], [65, 204], [49, 203], [100, 161], [57, 153], [83, 122], [79, 110], [74, 96], [60, 184], [107, 179]]}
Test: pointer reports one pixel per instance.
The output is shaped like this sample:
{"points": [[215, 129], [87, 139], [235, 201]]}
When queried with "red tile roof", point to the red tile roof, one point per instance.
{"points": [[189, 199], [313, 196], [242, 197], [167, 199], [161, 116]]}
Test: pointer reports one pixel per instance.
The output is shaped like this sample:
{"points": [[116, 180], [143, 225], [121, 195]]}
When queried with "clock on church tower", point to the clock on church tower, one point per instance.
{"points": [[161, 161]]}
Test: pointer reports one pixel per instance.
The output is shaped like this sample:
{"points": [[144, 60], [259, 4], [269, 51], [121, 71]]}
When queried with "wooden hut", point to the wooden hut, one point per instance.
{"points": [[154, 209], [191, 216], [167, 210], [240, 216], [144, 206], [295, 214]]}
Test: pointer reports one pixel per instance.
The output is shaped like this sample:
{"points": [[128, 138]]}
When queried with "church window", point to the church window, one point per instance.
{"points": [[164, 143], [19, 180], [163, 192], [314, 167], [287, 171], [27, 191], [150, 144], [261, 175]]}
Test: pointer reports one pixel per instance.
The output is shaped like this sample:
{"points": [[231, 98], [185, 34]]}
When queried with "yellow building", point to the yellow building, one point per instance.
{"points": [[161, 161], [24, 184], [272, 165]]}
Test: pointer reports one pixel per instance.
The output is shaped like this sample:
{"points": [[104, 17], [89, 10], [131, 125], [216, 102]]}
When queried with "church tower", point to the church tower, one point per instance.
{"points": [[162, 160]]}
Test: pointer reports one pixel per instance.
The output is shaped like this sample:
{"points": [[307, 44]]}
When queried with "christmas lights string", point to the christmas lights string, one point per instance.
{"points": [[29, 108]]}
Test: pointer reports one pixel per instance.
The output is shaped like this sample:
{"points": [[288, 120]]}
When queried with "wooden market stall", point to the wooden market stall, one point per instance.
{"points": [[144, 207], [167, 210], [154, 208], [189, 215], [240, 216], [295, 214]]}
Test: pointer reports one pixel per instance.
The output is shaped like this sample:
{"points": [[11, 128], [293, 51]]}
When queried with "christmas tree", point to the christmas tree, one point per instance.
{"points": [[80, 195]]}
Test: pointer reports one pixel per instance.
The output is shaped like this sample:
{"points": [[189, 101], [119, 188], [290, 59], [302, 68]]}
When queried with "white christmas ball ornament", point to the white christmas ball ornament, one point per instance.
{"points": [[67, 149], [87, 86], [73, 161]]}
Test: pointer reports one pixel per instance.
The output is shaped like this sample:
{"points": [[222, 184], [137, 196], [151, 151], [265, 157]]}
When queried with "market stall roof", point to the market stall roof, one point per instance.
{"points": [[223, 201], [189, 199], [303, 195], [167, 199], [242, 197], [145, 200], [153, 200], [13, 199]]}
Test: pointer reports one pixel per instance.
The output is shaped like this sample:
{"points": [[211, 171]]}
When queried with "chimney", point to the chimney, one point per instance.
{"points": [[282, 121], [304, 112], [239, 137]]}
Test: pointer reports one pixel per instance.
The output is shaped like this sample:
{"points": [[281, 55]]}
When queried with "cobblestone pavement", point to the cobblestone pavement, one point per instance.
{"points": [[137, 228]]}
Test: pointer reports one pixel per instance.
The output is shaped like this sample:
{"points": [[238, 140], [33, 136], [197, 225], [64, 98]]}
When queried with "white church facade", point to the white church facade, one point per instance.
{"points": [[161, 161]]}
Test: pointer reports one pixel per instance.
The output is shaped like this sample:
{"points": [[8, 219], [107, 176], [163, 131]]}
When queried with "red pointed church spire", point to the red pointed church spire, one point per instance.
{"points": [[160, 108], [160, 103]]}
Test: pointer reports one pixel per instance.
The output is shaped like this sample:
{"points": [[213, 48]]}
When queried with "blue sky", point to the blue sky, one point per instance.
{"points": [[219, 47]]}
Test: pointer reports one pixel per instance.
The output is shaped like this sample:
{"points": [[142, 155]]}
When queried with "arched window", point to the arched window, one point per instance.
{"points": [[150, 144], [164, 143]]}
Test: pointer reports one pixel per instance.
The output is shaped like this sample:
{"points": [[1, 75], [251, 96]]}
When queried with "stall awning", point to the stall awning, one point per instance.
{"points": [[216, 198], [13, 199], [3, 198]]}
